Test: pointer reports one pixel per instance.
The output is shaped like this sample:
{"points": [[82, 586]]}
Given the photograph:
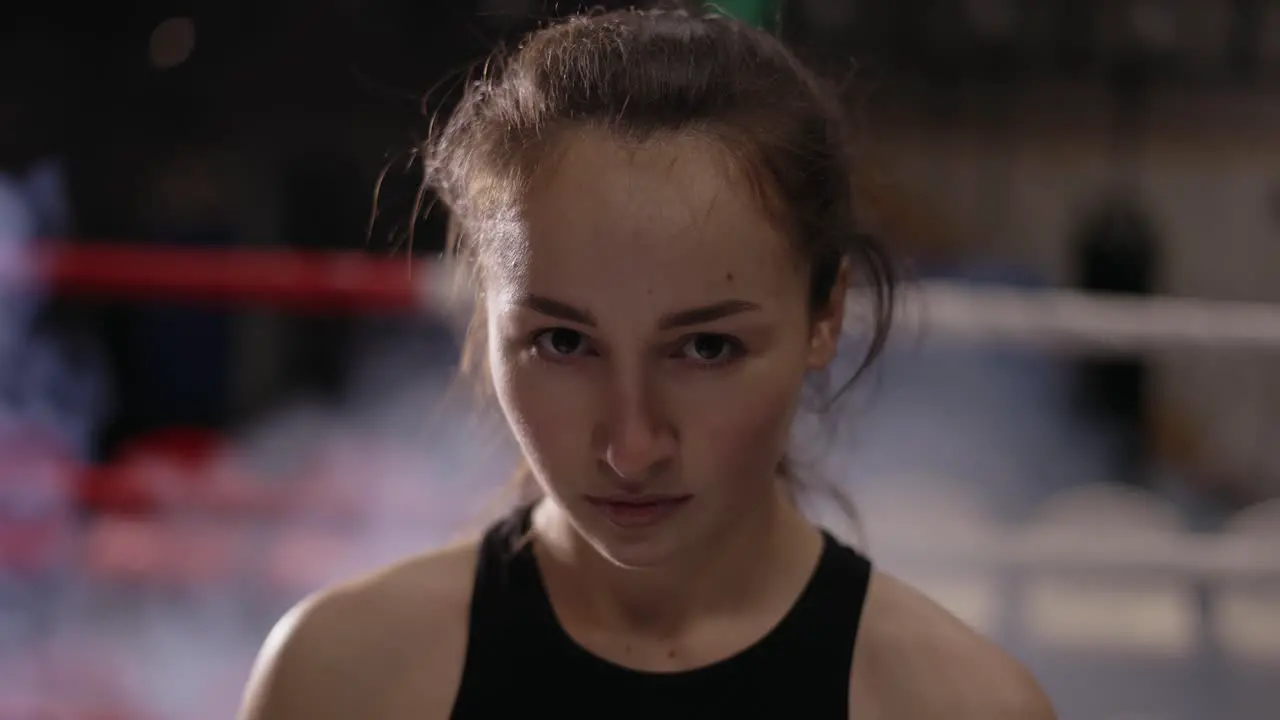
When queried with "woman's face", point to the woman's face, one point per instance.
{"points": [[648, 337]]}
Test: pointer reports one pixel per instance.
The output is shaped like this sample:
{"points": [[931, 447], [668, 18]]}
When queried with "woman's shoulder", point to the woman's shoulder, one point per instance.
{"points": [[390, 644], [914, 659]]}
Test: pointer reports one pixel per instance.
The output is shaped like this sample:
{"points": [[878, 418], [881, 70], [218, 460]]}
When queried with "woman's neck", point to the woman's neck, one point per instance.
{"points": [[763, 559]]}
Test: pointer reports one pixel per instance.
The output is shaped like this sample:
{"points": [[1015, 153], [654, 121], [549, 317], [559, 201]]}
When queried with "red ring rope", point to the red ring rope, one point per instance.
{"points": [[330, 281]]}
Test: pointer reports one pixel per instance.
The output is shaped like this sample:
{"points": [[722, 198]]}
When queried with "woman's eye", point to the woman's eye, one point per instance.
{"points": [[710, 349], [559, 342]]}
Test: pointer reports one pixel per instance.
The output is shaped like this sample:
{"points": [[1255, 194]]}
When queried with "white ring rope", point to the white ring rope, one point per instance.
{"points": [[1076, 320]]}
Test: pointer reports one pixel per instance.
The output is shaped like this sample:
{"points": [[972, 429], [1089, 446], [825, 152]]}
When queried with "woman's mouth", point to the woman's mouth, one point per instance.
{"points": [[638, 511]]}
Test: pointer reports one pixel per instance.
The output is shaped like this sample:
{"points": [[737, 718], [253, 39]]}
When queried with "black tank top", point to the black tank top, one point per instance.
{"points": [[521, 663]]}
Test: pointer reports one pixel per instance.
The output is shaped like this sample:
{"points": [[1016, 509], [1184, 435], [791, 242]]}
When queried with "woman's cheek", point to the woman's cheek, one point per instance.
{"points": [[546, 407], [742, 426]]}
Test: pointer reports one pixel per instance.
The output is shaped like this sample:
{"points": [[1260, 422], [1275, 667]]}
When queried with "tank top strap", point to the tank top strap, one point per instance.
{"points": [[823, 626], [831, 611], [504, 615]]}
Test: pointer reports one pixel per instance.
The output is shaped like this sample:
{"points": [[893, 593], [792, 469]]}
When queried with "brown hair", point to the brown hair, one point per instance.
{"points": [[644, 75]]}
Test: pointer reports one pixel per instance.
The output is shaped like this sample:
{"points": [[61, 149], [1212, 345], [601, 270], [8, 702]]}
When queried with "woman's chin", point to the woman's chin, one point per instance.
{"points": [[635, 548]]}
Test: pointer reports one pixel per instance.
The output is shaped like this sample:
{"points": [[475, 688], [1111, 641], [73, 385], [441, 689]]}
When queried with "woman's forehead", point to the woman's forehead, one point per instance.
{"points": [[670, 216]]}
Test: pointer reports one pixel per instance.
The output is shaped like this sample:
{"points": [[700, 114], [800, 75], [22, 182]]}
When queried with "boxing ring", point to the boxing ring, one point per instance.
{"points": [[175, 516]]}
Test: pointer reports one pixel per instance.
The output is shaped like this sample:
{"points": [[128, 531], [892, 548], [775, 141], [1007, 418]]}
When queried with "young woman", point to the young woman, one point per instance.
{"points": [[659, 211]]}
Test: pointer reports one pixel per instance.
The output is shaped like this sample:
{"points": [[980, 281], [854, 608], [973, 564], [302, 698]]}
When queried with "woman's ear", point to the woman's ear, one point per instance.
{"points": [[828, 321]]}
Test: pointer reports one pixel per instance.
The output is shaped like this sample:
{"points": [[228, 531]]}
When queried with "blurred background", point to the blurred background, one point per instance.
{"points": [[178, 465]]}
